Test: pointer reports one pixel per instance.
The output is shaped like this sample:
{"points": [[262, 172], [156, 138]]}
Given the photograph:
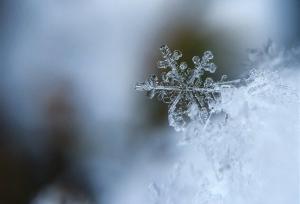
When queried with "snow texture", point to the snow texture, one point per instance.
{"points": [[247, 152]]}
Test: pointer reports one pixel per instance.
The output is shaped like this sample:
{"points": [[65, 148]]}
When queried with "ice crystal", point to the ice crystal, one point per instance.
{"points": [[186, 88]]}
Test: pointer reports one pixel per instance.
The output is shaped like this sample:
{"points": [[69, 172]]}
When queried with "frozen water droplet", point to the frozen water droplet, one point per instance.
{"points": [[183, 65], [176, 55], [207, 55], [208, 82], [196, 60], [210, 67]]}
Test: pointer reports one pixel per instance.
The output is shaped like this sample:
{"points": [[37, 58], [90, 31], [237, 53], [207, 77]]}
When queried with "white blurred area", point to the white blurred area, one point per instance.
{"points": [[100, 46], [92, 53]]}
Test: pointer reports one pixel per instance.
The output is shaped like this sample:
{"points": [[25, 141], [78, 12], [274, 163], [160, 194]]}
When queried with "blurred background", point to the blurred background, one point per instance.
{"points": [[73, 129]]}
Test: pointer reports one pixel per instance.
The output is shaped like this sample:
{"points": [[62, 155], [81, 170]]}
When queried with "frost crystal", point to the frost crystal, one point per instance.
{"points": [[186, 88]]}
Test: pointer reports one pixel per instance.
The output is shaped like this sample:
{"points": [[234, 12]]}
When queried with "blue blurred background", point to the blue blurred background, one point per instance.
{"points": [[73, 129]]}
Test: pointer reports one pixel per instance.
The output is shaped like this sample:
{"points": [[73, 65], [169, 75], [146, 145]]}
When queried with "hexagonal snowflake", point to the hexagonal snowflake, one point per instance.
{"points": [[184, 89]]}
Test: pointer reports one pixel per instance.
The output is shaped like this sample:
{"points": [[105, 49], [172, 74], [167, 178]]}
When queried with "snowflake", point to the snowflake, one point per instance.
{"points": [[184, 89]]}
